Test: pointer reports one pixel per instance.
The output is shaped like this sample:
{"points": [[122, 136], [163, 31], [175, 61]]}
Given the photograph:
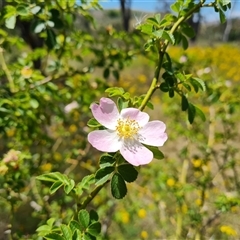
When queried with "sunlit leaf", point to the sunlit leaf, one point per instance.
{"points": [[84, 218]]}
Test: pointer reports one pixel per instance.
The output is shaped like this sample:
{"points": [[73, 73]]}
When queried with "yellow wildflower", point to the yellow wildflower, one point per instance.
{"points": [[171, 182], [144, 235], [26, 72], [228, 230], [142, 213]]}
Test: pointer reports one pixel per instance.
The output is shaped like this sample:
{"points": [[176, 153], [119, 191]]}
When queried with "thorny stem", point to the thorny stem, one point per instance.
{"points": [[162, 49], [91, 196], [7, 72]]}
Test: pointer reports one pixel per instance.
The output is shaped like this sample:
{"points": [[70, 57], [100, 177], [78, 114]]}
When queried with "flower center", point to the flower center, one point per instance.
{"points": [[127, 128]]}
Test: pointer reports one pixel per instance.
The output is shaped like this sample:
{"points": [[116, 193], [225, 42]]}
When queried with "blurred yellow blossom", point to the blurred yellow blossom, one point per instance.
{"points": [[10, 132], [72, 128], [228, 230], [197, 163], [57, 156], [3, 169], [125, 216], [47, 167], [144, 235], [142, 213], [184, 208], [142, 78], [234, 209], [171, 182], [198, 202], [26, 72]]}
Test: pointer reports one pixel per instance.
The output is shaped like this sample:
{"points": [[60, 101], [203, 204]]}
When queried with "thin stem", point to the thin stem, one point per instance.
{"points": [[91, 196], [7, 72]]}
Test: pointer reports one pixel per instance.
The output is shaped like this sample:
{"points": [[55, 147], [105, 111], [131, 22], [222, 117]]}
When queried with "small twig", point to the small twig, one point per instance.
{"points": [[42, 82], [210, 221], [7, 72], [91, 196]]}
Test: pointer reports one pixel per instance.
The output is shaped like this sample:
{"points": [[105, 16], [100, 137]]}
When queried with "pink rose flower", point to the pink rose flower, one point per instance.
{"points": [[125, 131]]}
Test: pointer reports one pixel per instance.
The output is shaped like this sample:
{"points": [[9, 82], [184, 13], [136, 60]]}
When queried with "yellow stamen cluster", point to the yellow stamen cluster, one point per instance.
{"points": [[127, 128]]}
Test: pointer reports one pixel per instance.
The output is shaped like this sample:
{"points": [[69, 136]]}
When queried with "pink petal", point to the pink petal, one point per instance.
{"points": [[105, 140], [106, 113], [153, 134], [135, 153], [134, 114]]}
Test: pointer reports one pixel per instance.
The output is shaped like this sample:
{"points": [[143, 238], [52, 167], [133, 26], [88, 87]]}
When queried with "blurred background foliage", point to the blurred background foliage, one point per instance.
{"points": [[56, 59]]}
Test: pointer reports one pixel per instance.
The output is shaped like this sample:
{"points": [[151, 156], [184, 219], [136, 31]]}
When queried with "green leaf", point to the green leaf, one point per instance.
{"points": [[54, 236], [51, 38], [180, 76], [93, 123], [225, 2], [164, 34], [146, 28], [116, 74], [74, 225], [106, 73], [40, 26], [184, 103], [93, 216], [157, 154], [170, 80], [152, 21], [11, 22], [52, 177], [184, 42], [200, 83], [102, 172], [164, 87], [67, 233], [148, 45], [171, 93], [50, 221], [118, 186], [157, 17], [191, 112], [187, 86], [115, 91], [106, 160], [55, 186], [43, 230], [150, 105], [158, 33], [176, 7], [87, 236], [34, 103], [128, 172], [122, 104], [84, 184], [222, 16], [94, 229], [35, 9], [69, 186], [169, 36], [22, 10], [77, 235], [188, 30], [84, 218], [200, 113]]}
